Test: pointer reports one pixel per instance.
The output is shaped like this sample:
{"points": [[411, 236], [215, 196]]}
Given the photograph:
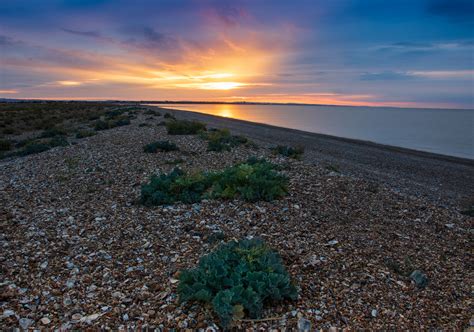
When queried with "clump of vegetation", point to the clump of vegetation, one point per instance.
{"points": [[165, 146], [251, 181], [85, 133], [221, 140], [176, 186], [33, 148], [101, 125], [5, 145], [333, 168], [122, 121], [112, 123], [52, 132], [184, 127], [238, 279], [152, 112], [289, 151], [114, 113], [169, 116], [469, 211], [58, 141]]}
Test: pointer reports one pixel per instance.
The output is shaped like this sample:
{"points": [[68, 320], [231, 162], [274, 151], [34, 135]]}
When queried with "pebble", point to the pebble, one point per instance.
{"points": [[374, 313], [76, 317], [45, 320], [304, 325], [420, 279], [25, 323]]}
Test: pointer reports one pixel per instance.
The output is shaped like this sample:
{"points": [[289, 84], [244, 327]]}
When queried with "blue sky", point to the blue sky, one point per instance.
{"points": [[398, 53]]}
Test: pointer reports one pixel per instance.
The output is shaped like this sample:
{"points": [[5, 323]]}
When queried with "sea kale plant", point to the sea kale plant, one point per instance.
{"points": [[221, 140], [237, 279], [258, 181], [184, 127], [253, 180], [289, 151], [176, 186], [165, 146]]}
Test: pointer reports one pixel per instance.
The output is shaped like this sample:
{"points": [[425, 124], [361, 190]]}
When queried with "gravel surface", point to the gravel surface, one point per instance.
{"points": [[78, 251]]}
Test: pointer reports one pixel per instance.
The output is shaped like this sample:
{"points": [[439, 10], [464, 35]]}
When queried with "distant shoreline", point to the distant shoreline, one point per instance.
{"points": [[190, 102]]}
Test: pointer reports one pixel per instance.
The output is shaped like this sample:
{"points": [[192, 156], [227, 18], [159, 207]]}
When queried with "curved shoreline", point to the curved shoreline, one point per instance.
{"points": [[441, 178]]}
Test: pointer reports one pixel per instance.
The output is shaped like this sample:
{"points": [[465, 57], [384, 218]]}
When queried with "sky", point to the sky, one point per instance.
{"points": [[406, 53]]}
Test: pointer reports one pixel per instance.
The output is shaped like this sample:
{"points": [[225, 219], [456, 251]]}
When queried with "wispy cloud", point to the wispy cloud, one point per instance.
{"points": [[93, 34], [386, 76]]}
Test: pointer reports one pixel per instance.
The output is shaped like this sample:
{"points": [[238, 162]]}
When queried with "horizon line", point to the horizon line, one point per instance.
{"points": [[218, 102]]}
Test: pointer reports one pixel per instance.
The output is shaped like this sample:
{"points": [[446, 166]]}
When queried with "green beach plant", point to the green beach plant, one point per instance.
{"points": [[289, 151], [85, 133], [184, 127], [52, 132], [221, 140], [5, 145], [238, 279], [169, 116], [165, 146], [33, 148], [251, 181]]}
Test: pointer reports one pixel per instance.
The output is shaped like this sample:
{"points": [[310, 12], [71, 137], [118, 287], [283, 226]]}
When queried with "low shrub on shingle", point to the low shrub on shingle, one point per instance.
{"points": [[52, 132], [164, 146], [101, 125], [289, 151], [176, 186], [152, 112], [169, 116], [184, 127], [221, 140], [5, 145], [238, 279], [252, 181], [85, 133], [58, 141], [33, 148]]}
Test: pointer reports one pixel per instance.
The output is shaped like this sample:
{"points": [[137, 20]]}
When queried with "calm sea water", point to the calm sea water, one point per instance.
{"points": [[443, 131]]}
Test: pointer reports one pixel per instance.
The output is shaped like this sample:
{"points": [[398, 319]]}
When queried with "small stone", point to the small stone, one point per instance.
{"points": [[173, 280], [45, 320], [70, 283], [118, 295], [125, 317], [7, 313], [25, 323], [449, 225], [44, 265], [67, 300], [420, 279], [76, 316], [304, 325], [373, 313], [90, 318], [332, 243]]}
